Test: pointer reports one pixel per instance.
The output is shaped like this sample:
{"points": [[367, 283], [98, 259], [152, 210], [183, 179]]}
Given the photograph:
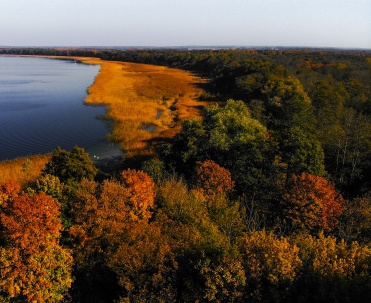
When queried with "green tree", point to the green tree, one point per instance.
{"points": [[302, 153], [347, 148], [328, 103], [70, 166], [287, 104], [230, 137], [204, 232]]}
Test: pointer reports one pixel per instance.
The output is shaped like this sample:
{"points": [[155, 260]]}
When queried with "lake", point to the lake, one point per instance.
{"points": [[42, 107]]}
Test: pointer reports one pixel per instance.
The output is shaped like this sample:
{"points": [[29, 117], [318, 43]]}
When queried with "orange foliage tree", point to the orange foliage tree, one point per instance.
{"points": [[213, 179], [145, 264], [312, 204], [9, 190], [102, 217], [34, 266], [141, 192]]}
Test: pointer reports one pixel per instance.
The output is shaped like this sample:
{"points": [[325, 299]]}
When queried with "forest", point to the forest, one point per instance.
{"points": [[266, 198]]}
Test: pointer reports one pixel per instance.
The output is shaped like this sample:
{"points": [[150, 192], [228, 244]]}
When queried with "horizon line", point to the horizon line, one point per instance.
{"points": [[190, 47]]}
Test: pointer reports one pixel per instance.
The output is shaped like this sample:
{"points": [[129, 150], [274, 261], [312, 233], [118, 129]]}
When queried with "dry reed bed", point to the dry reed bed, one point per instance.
{"points": [[23, 170], [146, 102]]}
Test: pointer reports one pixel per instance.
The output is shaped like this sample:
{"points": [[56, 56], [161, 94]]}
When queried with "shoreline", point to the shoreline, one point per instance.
{"points": [[146, 103]]}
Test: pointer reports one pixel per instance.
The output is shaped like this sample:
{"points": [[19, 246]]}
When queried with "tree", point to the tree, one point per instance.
{"points": [[34, 266], [145, 265], [271, 265], [155, 168], [213, 179], [302, 153], [70, 167], [230, 137], [311, 204], [52, 186], [222, 280], [102, 217], [332, 271], [287, 104], [355, 222], [347, 150], [9, 190], [141, 192]]}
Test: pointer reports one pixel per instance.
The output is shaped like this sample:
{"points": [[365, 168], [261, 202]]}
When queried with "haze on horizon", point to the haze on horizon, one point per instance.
{"points": [[291, 23]]}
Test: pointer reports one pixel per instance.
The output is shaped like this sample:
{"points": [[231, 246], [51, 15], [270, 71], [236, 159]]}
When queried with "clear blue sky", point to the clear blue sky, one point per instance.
{"points": [[314, 23]]}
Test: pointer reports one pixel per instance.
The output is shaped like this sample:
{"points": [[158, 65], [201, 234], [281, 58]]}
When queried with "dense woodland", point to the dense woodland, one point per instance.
{"points": [[267, 198]]}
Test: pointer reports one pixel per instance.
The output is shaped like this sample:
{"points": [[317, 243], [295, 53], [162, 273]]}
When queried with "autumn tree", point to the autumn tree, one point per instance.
{"points": [[141, 192], [271, 265], [221, 279], [99, 217], [312, 204], [213, 179], [9, 190], [355, 224], [102, 217], [34, 266], [145, 264], [332, 271], [102, 212]]}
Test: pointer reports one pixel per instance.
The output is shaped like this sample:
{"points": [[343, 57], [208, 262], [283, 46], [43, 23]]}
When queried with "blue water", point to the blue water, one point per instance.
{"points": [[42, 107]]}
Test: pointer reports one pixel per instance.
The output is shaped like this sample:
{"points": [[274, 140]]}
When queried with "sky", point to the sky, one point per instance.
{"points": [[296, 23]]}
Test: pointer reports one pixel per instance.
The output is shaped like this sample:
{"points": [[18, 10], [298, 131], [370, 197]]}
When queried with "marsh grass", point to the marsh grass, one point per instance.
{"points": [[135, 94], [23, 170]]}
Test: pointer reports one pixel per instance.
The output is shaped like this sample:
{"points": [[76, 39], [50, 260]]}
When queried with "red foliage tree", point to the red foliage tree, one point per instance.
{"points": [[213, 179], [312, 203], [34, 267]]}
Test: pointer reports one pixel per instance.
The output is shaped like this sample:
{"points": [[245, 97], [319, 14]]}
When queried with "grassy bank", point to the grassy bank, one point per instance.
{"points": [[22, 170], [147, 103]]}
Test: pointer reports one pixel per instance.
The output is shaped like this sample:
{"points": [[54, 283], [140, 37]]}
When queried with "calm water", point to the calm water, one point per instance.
{"points": [[41, 108]]}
